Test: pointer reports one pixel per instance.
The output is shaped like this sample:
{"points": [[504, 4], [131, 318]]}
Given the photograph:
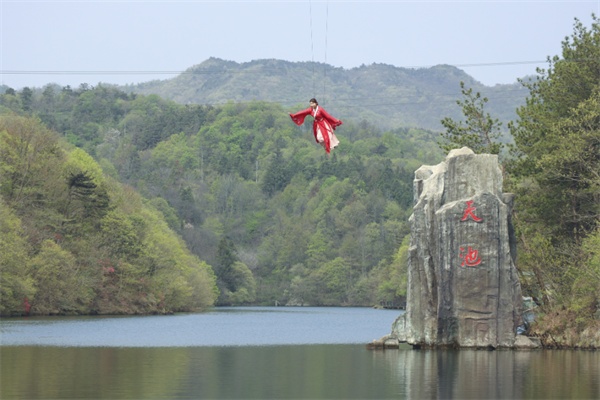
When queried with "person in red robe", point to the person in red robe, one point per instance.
{"points": [[323, 126]]}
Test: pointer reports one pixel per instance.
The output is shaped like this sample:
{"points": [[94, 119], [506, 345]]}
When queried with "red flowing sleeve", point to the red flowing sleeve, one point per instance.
{"points": [[298, 117], [333, 121]]}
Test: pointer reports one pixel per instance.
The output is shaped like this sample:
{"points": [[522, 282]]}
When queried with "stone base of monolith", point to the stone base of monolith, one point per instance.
{"points": [[463, 289]]}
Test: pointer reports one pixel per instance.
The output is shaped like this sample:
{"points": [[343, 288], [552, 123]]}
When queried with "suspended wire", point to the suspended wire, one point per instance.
{"points": [[393, 101], [342, 102], [221, 71], [312, 48], [345, 103], [326, 34]]}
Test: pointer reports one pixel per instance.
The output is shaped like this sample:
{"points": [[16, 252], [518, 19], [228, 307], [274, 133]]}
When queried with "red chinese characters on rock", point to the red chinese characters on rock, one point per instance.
{"points": [[470, 213], [470, 256]]}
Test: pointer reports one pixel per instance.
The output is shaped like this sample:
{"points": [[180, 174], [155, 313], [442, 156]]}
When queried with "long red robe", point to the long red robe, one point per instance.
{"points": [[323, 123]]}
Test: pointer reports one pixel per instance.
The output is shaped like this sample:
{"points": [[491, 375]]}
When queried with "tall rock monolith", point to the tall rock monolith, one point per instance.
{"points": [[463, 289]]}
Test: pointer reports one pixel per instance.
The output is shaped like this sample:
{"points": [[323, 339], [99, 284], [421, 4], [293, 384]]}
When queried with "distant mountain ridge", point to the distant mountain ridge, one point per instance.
{"points": [[384, 95]]}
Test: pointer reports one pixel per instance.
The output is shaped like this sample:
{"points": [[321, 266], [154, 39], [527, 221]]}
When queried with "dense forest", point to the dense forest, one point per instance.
{"points": [[384, 95], [248, 192], [555, 172], [75, 240], [117, 202]]}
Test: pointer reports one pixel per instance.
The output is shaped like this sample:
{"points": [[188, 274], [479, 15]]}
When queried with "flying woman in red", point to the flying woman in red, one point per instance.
{"points": [[323, 126]]}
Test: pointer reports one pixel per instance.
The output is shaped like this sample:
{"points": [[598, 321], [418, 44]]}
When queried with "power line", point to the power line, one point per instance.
{"points": [[312, 49], [326, 34], [406, 99], [96, 72], [228, 71], [387, 101]]}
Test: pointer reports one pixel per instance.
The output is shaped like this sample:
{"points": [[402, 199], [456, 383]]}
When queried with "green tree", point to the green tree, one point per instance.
{"points": [[318, 249], [586, 283], [244, 284], [26, 97], [169, 212], [29, 157], [226, 258], [120, 236], [555, 174], [61, 286], [16, 284], [86, 194], [277, 175], [393, 277], [337, 277], [170, 269], [479, 131]]}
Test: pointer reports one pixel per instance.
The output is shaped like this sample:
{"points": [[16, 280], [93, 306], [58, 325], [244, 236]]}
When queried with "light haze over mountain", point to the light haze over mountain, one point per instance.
{"points": [[128, 42]]}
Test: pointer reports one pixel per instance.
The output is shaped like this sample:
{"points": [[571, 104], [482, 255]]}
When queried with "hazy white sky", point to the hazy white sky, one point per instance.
{"points": [[130, 41]]}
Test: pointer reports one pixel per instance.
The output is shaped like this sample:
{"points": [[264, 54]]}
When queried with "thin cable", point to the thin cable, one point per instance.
{"points": [[312, 48], [1, 41], [221, 71], [326, 34]]}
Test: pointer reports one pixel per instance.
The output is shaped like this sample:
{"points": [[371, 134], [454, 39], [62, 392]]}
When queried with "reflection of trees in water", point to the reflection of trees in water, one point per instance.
{"points": [[312, 371], [480, 374]]}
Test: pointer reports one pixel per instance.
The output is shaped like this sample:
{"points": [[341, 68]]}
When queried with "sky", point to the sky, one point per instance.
{"points": [[71, 42]]}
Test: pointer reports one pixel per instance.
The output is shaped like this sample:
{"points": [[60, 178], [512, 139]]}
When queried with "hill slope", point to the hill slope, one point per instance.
{"points": [[384, 95]]}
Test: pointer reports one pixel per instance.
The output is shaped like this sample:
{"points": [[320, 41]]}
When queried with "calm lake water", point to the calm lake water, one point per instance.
{"points": [[267, 353]]}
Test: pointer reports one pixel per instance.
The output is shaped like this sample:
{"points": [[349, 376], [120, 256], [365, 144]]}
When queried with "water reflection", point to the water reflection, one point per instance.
{"points": [[339, 371], [305, 371], [472, 374], [267, 353]]}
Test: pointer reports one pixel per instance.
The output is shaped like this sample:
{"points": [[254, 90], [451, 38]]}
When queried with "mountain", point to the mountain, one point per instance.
{"points": [[384, 95]]}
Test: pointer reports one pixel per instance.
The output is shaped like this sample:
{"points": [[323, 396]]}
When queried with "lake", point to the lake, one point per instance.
{"points": [[268, 353]]}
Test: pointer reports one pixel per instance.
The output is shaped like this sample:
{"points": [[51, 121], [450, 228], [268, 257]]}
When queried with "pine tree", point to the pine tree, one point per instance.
{"points": [[479, 132]]}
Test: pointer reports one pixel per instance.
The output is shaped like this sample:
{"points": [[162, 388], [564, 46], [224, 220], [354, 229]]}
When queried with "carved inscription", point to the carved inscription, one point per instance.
{"points": [[469, 255]]}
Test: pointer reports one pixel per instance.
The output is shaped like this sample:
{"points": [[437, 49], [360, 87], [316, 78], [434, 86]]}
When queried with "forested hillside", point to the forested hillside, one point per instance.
{"points": [[385, 96], [555, 173], [249, 192], [117, 202], [74, 240]]}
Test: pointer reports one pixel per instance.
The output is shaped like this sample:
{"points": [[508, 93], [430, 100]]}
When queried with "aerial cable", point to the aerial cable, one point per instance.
{"points": [[326, 34], [312, 48]]}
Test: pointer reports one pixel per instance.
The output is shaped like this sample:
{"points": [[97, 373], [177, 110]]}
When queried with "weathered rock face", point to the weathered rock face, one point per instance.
{"points": [[463, 288]]}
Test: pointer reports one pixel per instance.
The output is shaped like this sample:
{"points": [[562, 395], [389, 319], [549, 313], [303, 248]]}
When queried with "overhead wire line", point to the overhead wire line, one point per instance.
{"points": [[220, 71], [390, 101], [326, 34], [343, 102], [312, 47]]}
